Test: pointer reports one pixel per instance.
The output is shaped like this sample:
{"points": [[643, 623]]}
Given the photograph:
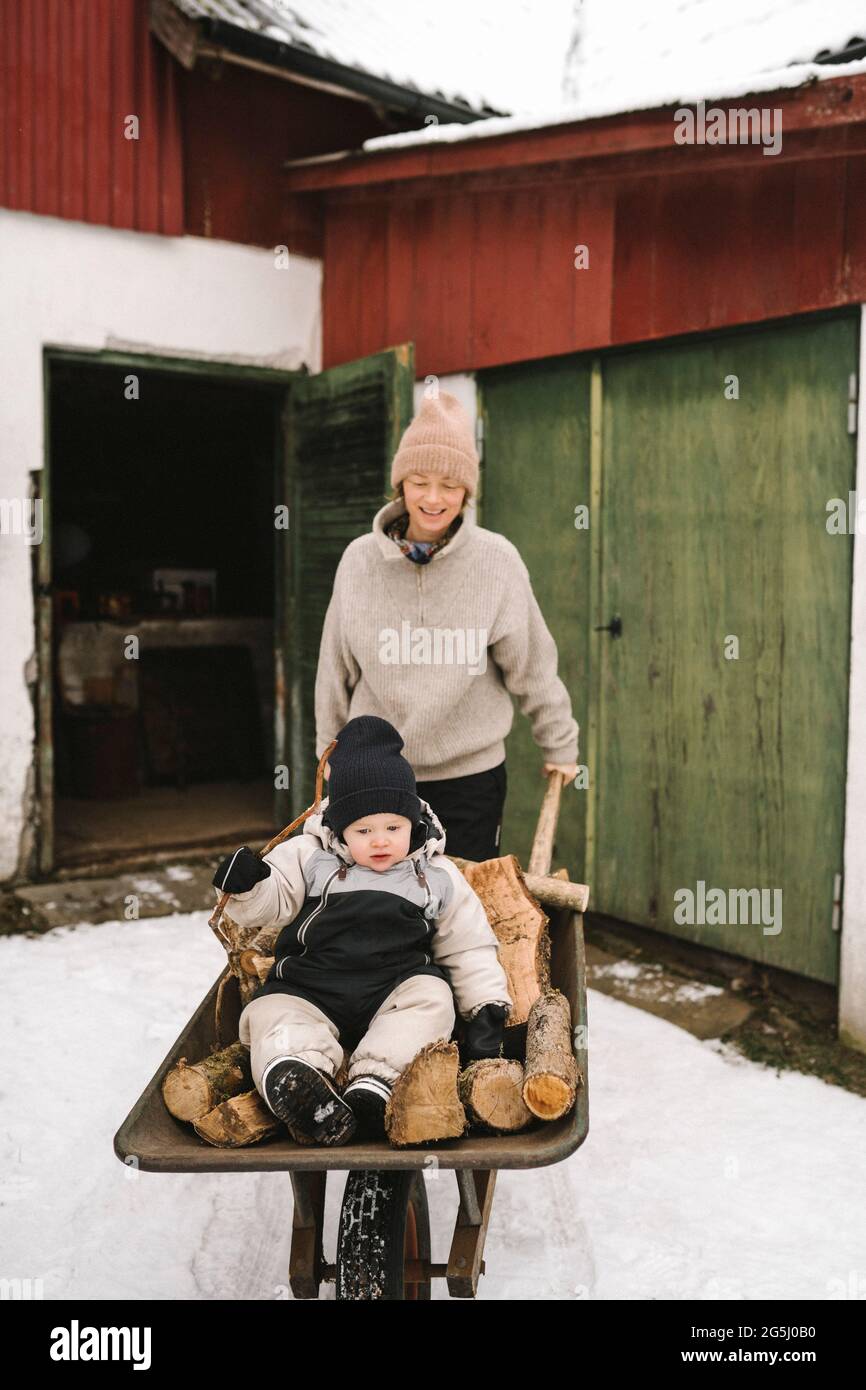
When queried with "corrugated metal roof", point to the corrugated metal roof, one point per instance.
{"points": [[501, 56]]}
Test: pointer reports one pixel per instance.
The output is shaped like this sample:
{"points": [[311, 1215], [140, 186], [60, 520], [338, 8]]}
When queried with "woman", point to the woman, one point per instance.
{"points": [[433, 625]]}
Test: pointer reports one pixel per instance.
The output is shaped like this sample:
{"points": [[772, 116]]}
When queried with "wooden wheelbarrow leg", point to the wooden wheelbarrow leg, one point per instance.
{"points": [[306, 1259], [465, 1262]]}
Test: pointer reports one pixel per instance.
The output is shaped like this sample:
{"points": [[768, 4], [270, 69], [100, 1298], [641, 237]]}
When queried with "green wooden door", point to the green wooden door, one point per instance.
{"points": [[707, 523], [714, 768], [342, 428], [535, 473]]}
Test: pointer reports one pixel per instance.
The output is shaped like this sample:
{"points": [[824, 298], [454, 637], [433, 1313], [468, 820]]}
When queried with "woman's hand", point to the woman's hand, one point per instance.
{"points": [[568, 770]]}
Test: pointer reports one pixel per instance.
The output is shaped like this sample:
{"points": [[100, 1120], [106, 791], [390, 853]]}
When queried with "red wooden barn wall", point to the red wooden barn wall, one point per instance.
{"points": [[479, 278], [212, 141], [72, 70], [239, 126]]}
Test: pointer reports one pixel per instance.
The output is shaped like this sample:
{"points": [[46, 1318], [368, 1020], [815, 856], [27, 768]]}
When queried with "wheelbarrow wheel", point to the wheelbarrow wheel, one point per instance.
{"points": [[384, 1234]]}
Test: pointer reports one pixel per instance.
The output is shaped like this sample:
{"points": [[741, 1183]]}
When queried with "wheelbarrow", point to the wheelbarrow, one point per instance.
{"points": [[383, 1244]]}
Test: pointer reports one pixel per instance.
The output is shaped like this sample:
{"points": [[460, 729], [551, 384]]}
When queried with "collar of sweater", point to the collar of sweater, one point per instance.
{"points": [[392, 552]]}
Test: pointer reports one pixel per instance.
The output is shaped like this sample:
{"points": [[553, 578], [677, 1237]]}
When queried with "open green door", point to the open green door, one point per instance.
{"points": [[341, 430]]}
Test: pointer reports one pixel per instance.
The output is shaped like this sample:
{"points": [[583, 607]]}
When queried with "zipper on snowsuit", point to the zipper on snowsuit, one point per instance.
{"points": [[422, 878], [302, 934]]}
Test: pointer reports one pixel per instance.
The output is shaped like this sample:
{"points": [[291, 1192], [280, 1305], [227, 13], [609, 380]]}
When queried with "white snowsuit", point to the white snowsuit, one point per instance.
{"points": [[366, 959]]}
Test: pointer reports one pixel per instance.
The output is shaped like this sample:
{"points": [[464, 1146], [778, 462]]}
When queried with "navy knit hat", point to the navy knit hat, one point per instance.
{"points": [[369, 774]]}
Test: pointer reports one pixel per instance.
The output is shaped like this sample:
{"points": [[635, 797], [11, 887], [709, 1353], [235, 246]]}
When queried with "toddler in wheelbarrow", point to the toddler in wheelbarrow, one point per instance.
{"points": [[382, 941]]}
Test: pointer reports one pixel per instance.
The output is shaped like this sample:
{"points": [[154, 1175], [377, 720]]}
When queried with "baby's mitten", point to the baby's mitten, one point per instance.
{"points": [[240, 871], [484, 1032]]}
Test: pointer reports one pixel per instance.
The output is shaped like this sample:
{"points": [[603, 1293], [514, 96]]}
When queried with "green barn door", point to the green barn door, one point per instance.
{"points": [[712, 766], [341, 429], [535, 473]]}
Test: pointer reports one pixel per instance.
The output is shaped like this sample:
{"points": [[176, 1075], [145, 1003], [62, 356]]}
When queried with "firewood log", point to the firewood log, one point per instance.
{"points": [[424, 1105], [491, 1090], [237, 940], [521, 930], [551, 1075], [253, 963], [190, 1092], [232, 936], [265, 940], [242, 1120], [549, 889]]}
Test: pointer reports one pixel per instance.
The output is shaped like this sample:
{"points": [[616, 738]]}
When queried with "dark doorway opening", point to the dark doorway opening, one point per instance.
{"points": [[162, 491]]}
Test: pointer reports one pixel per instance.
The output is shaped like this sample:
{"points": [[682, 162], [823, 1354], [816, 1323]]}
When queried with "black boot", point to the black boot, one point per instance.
{"points": [[308, 1103], [368, 1095]]}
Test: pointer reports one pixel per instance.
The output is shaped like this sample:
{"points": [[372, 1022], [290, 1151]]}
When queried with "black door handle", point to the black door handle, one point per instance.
{"points": [[614, 627]]}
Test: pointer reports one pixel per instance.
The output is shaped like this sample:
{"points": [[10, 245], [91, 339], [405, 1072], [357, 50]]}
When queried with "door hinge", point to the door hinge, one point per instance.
{"points": [[852, 403], [837, 902]]}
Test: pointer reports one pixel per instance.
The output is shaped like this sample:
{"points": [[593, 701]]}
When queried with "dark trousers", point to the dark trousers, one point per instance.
{"points": [[470, 809]]}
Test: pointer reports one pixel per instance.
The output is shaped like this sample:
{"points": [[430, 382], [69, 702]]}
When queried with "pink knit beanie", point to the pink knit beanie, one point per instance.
{"points": [[439, 440]]}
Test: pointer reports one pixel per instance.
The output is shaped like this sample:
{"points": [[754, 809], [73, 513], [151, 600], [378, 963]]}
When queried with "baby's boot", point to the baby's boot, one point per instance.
{"points": [[368, 1096], [307, 1101]]}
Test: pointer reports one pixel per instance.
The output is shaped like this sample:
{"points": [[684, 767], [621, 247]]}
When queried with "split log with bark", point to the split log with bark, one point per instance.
{"points": [[242, 1120], [520, 926], [190, 1091], [424, 1105]]}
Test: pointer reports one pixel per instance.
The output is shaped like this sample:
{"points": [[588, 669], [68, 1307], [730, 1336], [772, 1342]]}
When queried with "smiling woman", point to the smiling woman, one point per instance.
{"points": [[426, 561], [432, 504]]}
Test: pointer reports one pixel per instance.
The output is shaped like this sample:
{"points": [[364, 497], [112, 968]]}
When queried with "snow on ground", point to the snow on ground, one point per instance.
{"points": [[703, 1176]]}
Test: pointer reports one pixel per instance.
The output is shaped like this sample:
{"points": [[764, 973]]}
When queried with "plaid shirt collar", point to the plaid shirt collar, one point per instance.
{"points": [[421, 552]]}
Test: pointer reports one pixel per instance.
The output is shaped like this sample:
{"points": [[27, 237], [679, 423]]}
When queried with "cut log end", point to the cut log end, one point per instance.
{"points": [[548, 1097], [190, 1092], [492, 1092], [424, 1105]]}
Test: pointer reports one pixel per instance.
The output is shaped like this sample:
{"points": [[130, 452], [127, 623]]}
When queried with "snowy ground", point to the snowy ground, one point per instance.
{"points": [[703, 1176]]}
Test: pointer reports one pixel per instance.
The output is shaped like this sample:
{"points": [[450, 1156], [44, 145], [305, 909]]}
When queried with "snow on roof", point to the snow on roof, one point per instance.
{"points": [[626, 50], [485, 54], [625, 55]]}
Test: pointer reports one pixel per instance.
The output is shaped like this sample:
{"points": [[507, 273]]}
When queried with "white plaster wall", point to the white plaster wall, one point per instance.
{"points": [[74, 285], [852, 991]]}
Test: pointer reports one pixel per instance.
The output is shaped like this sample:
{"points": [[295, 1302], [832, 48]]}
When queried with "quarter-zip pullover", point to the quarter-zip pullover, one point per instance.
{"points": [[454, 715]]}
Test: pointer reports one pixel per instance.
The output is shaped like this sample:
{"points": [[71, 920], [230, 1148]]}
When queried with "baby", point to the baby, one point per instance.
{"points": [[380, 935]]}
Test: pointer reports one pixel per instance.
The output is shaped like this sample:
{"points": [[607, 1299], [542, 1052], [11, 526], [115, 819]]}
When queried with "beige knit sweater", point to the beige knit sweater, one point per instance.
{"points": [[439, 649]]}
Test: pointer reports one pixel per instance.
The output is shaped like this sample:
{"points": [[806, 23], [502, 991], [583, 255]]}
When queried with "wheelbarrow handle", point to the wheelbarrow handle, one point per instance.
{"points": [[214, 919], [542, 845]]}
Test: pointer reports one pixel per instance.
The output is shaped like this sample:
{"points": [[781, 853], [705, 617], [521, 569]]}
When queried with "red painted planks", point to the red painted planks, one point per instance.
{"points": [[73, 70]]}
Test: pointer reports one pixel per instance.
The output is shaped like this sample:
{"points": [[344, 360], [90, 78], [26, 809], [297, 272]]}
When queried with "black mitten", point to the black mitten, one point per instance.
{"points": [[484, 1032], [240, 871]]}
